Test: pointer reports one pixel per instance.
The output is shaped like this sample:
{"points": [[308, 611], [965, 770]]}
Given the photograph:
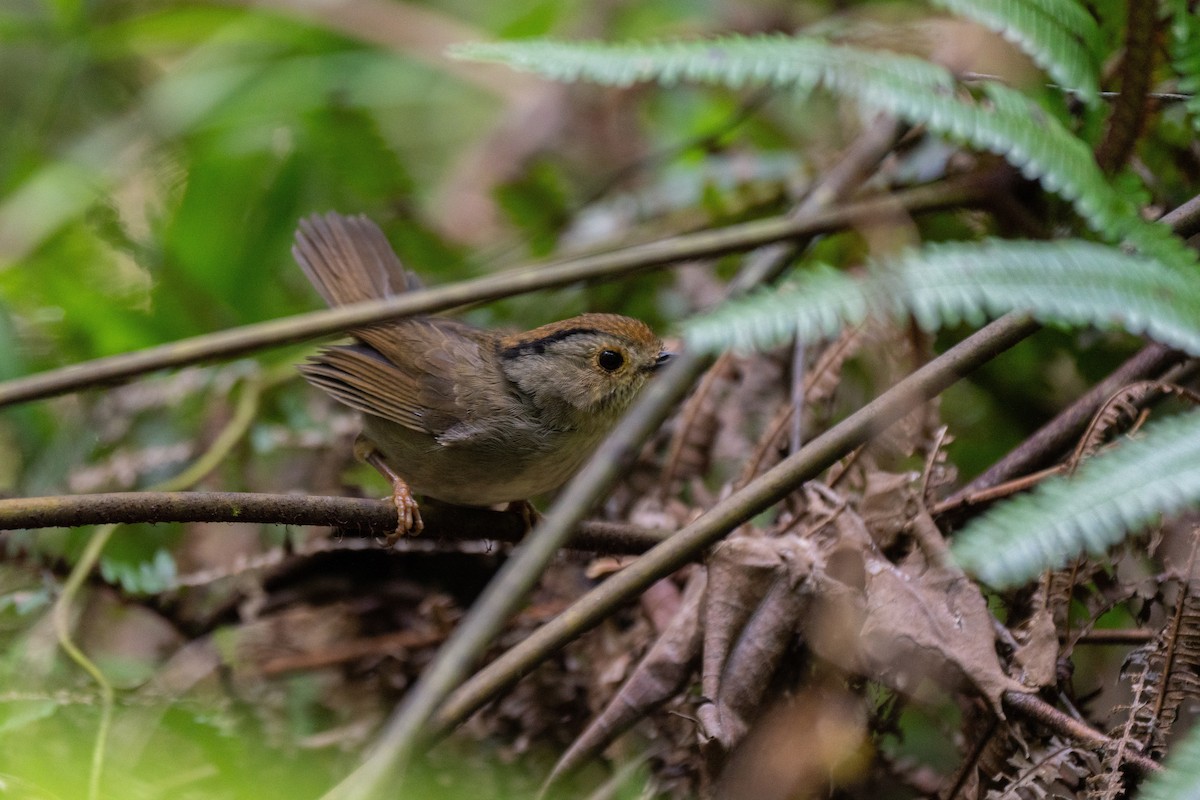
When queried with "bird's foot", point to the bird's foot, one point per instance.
{"points": [[408, 515], [529, 515]]}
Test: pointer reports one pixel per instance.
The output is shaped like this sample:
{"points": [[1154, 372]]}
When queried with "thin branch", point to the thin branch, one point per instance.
{"points": [[1129, 111], [351, 515], [1000, 491], [1184, 219], [1038, 710], [1056, 435], [1123, 637], [965, 189]]}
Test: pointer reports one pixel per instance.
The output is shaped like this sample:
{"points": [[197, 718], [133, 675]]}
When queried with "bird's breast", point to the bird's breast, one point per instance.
{"points": [[486, 471]]}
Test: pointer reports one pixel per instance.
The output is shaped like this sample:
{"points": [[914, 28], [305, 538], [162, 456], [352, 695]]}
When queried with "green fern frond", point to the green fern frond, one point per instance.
{"points": [[1181, 778], [1063, 518], [817, 304], [1054, 46], [1001, 121], [1076, 18], [735, 61], [1067, 281]]}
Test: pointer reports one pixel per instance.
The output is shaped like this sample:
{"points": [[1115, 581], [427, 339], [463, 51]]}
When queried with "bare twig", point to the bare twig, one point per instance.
{"points": [[706, 244], [978, 498], [1123, 637], [1038, 710], [1056, 435], [351, 515]]}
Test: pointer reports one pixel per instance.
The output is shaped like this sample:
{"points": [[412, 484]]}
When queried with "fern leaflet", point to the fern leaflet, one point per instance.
{"points": [[1053, 45], [1068, 281], [1064, 517], [1001, 121]]}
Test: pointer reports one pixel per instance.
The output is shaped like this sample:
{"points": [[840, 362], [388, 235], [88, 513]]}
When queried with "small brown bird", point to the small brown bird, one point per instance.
{"points": [[460, 414]]}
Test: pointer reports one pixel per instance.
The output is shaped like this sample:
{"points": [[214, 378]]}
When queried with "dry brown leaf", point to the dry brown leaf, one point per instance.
{"points": [[897, 633], [659, 675], [899, 624], [929, 623], [740, 573], [889, 501], [748, 666], [1035, 662]]}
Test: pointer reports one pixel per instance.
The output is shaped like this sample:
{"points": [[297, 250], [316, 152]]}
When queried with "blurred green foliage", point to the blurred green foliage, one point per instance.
{"points": [[155, 157]]}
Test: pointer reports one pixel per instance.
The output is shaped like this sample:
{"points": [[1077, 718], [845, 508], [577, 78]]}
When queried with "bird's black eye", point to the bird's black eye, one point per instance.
{"points": [[611, 360]]}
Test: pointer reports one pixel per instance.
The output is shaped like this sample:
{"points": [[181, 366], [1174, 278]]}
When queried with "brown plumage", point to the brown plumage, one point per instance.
{"points": [[465, 415]]}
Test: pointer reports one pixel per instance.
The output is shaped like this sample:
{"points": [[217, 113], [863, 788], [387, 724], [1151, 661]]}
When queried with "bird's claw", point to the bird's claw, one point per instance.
{"points": [[408, 515]]}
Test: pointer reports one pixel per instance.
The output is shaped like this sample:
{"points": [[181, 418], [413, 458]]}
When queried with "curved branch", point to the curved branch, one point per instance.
{"points": [[356, 516]]}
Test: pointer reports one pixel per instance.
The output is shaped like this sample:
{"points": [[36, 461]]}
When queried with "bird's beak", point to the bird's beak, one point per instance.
{"points": [[662, 360]]}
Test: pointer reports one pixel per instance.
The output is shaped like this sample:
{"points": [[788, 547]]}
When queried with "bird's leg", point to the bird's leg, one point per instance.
{"points": [[529, 514], [409, 522]]}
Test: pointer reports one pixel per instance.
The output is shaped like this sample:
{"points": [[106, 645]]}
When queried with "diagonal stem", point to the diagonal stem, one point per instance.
{"points": [[769, 488]]}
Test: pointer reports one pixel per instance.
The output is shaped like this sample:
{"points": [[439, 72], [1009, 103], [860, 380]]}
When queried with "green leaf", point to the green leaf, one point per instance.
{"points": [[1000, 121], [1111, 495], [1054, 33], [138, 560], [1181, 778], [1070, 281]]}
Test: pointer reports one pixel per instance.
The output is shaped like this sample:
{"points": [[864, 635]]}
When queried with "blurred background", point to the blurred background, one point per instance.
{"points": [[155, 157]]}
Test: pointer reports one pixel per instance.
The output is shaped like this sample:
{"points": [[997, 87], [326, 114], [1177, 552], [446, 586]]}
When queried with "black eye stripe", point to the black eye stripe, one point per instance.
{"points": [[610, 360], [538, 346]]}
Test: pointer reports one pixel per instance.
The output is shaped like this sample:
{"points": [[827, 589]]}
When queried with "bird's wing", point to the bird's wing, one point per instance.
{"points": [[432, 375], [435, 378]]}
